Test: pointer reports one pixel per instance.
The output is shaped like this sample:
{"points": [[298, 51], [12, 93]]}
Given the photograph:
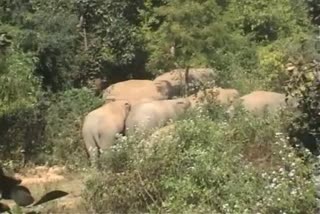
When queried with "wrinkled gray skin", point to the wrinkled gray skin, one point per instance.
{"points": [[258, 102], [101, 126], [146, 116]]}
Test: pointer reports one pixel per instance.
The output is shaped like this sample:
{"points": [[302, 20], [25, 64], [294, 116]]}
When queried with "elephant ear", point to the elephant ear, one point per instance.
{"points": [[51, 196], [21, 195]]}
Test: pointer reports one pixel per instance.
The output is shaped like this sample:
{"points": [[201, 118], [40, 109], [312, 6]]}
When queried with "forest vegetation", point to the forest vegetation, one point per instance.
{"points": [[53, 52]]}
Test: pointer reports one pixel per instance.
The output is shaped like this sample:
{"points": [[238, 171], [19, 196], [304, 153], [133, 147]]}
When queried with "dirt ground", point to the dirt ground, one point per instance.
{"points": [[42, 179]]}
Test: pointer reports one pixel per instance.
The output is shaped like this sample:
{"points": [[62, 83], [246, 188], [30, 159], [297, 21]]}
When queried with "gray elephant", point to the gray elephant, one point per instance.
{"points": [[147, 116], [223, 96], [137, 91], [101, 126], [177, 78], [258, 102]]}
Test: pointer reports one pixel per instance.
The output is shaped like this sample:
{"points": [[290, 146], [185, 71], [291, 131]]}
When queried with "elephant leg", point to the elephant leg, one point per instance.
{"points": [[105, 141], [92, 149], [94, 157]]}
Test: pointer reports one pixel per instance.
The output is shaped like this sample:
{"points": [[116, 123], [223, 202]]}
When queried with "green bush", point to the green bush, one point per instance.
{"points": [[22, 135], [304, 86], [238, 165], [19, 87], [64, 121], [49, 132]]}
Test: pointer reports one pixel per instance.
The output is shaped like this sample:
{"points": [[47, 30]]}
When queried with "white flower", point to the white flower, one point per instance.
{"points": [[291, 174], [264, 175], [225, 206], [293, 192]]}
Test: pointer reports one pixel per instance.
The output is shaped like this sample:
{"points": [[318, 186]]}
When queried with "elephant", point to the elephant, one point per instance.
{"points": [[220, 95], [257, 102], [145, 117], [101, 125], [177, 78], [137, 91]]}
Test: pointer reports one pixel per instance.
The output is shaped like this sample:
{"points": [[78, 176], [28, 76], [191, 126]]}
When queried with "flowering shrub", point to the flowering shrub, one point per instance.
{"points": [[242, 164]]}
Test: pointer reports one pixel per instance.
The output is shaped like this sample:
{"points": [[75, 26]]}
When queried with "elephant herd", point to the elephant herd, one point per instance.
{"points": [[144, 105]]}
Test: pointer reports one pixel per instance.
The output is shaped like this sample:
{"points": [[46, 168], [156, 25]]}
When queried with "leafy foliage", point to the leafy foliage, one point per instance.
{"points": [[196, 32], [314, 11], [64, 142], [305, 88], [51, 50], [78, 40], [111, 38], [22, 135], [246, 41], [46, 30], [207, 166], [274, 28], [19, 88], [269, 20]]}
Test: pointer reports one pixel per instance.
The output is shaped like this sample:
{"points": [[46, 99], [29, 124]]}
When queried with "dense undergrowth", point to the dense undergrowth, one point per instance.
{"points": [[50, 51], [207, 164]]}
